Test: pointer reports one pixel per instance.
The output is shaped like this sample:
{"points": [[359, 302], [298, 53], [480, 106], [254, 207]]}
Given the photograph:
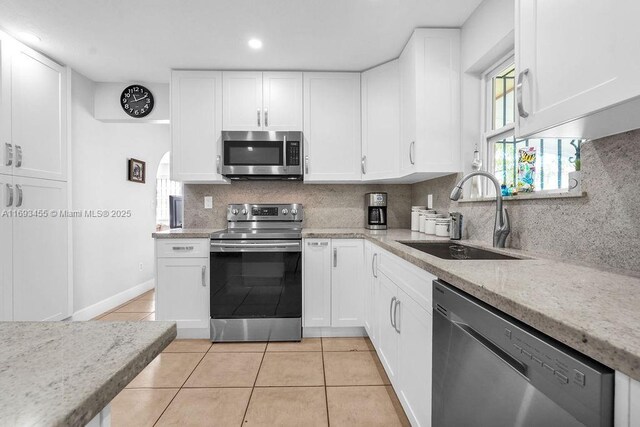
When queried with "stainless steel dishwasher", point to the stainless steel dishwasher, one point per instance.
{"points": [[491, 370]]}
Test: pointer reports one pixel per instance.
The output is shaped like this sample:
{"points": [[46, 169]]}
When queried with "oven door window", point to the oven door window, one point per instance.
{"points": [[247, 285], [253, 153]]}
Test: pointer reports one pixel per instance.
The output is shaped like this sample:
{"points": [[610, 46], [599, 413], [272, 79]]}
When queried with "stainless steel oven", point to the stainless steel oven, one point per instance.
{"points": [[262, 155], [256, 275]]}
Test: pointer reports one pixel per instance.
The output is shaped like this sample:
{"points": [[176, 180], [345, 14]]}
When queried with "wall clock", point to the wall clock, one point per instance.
{"points": [[136, 101]]}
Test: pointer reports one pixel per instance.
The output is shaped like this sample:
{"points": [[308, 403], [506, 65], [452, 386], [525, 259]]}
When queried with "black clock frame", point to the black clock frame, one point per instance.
{"points": [[130, 111]]}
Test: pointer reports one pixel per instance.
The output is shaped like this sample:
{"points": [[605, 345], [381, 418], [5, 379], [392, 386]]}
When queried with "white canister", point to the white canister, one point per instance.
{"points": [[415, 217], [442, 226], [422, 222], [430, 222]]}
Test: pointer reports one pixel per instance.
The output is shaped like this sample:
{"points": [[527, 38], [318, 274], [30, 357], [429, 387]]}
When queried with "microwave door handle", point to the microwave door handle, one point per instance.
{"points": [[284, 151]]}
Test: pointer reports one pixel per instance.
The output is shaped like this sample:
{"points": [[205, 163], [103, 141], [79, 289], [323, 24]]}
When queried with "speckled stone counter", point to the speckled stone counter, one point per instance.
{"points": [[64, 373], [594, 311], [184, 233]]}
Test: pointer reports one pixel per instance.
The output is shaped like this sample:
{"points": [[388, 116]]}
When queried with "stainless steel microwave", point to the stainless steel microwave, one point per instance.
{"points": [[262, 155]]}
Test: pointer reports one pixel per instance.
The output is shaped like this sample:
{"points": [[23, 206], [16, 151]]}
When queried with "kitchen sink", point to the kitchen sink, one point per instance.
{"points": [[450, 250]]}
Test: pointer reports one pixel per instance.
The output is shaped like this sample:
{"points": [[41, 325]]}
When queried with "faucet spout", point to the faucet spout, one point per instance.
{"points": [[502, 226]]}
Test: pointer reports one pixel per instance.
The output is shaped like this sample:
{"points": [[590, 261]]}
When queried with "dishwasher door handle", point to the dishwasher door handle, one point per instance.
{"points": [[514, 363]]}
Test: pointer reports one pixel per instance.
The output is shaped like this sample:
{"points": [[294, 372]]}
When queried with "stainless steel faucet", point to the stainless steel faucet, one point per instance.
{"points": [[502, 225]]}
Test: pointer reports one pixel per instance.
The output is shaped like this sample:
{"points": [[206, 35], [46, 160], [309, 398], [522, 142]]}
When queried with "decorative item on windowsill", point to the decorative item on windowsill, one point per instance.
{"points": [[526, 169], [575, 177], [476, 165], [137, 171]]}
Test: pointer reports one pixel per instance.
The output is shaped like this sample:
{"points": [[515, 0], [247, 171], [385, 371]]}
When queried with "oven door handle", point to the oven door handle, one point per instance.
{"points": [[256, 247]]}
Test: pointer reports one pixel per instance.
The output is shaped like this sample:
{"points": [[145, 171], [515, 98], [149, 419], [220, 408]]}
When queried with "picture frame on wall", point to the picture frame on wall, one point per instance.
{"points": [[137, 171]]}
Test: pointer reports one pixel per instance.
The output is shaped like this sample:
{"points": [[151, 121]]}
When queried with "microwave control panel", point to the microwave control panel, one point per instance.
{"points": [[293, 153]]}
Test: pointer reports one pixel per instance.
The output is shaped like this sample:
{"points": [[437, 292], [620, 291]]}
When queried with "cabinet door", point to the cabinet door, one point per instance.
{"points": [[40, 251], [242, 108], [414, 360], [182, 293], [347, 284], [317, 282], [381, 121], [6, 248], [407, 66], [6, 158], [564, 80], [387, 336], [369, 279], [196, 125], [332, 127], [38, 116], [282, 101]]}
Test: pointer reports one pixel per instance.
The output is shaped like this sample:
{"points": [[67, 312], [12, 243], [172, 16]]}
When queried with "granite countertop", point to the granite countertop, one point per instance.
{"points": [[65, 373], [593, 311], [184, 233]]}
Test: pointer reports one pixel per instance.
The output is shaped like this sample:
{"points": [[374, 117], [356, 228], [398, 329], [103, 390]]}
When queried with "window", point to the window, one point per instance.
{"points": [[165, 188], [524, 164]]}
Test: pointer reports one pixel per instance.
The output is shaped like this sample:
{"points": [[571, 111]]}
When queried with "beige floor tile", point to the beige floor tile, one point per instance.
{"points": [[150, 317], [148, 296], [347, 344], [364, 406], [226, 370], [287, 406], [140, 407], [167, 370], [238, 347], [188, 346], [291, 369], [207, 407], [307, 344], [124, 316], [354, 368], [137, 306]]}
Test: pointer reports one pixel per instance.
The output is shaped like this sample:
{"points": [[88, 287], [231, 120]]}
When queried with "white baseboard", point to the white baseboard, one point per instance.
{"points": [[356, 331], [113, 301]]}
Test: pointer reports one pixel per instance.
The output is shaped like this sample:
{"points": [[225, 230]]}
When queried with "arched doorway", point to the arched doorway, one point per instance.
{"points": [[165, 188]]}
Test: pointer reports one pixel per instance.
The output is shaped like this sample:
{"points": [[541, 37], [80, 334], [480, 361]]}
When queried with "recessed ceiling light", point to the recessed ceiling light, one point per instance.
{"points": [[255, 43], [28, 37]]}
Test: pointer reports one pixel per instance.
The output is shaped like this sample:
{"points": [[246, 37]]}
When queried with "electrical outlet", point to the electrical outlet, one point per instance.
{"points": [[140, 266], [208, 202], [430, 201]]}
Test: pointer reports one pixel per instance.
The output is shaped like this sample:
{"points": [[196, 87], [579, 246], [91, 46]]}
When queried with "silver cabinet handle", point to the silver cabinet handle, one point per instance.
{"points": [[521, 110], [182, 248], [306, 164], [335, 257], [218, 163], [18, 156], [266, 118], [8, 148], [19, 190], [374, 265], [412, 148], [393, 300], [9, 195], [363, 164], [204, 280], [396, 326], [258, 117], [317, 243]]}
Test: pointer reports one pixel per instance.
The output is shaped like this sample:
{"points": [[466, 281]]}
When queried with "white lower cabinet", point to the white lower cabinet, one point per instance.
{"points": [[333, 283], [387, 342], [370, 276], [6, 250], [627, 401], [182, 293]]}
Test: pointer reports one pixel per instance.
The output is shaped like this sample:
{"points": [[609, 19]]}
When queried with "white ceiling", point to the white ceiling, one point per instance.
{"points": [[141, 40]]}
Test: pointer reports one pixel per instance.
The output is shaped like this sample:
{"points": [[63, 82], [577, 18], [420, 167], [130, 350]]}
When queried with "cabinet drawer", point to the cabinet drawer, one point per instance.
{"points": [[182, 248], [416, 282]]}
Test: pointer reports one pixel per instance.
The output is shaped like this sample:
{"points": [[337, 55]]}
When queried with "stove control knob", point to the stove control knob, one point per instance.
{"points": [[244, 211], [285, 211], [234, 211], [294, 211]]}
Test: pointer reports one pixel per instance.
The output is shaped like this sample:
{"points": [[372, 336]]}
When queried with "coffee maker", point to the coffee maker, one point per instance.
{"points": [[376, 211]]}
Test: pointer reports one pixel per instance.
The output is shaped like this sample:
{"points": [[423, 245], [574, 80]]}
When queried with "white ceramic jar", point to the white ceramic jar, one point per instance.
{"points": [[415, 217], [430, 223], [442, 226]]}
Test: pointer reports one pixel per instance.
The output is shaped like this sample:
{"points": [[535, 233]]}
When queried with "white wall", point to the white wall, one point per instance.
{"points": [[486, 37], [107, 252]]}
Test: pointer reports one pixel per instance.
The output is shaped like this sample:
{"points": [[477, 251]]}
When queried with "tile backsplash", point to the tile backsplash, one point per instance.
{"points": [[601, 229], [332, 206]]}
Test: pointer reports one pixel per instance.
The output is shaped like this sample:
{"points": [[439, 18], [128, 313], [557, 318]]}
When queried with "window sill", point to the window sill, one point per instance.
{"points": [[530, 196]]}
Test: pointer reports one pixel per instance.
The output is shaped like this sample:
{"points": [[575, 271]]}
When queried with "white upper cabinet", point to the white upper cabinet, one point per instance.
{"points": [[574, 60], [196, 125], [282, 101], [262, 101], [38, 115], [6, 149], [381, 121], [332, 127], [430, 104]]}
